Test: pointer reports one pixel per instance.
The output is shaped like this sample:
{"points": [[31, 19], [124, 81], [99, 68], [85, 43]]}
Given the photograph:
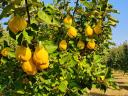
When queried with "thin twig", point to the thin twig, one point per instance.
{"points": [[26, 2], [76, 7]]}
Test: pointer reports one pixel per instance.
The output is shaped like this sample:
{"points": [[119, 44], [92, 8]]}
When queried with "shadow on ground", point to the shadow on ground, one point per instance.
{"points": [[122, 82], [124, 87], [97, 94]]}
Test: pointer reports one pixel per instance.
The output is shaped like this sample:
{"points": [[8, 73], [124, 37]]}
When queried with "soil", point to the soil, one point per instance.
{"points": [[121, 80]]}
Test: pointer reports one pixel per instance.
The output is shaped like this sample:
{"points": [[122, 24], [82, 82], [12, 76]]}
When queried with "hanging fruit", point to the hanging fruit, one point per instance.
{"points": [[63, 45], [72, 32], [17, 23], [88, 31], [43, 66], [23, 53], [80, 44], [40, 56], [98, 28], [29, 67], [5, 52], [68, 20], [91, 44]]}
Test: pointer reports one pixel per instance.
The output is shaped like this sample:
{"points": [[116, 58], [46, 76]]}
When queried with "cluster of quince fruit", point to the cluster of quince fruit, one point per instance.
{"points": [[88, 31], [32, 61]]}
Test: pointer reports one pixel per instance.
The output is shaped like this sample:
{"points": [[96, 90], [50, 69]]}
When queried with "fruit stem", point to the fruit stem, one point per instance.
{"points": [[26, 2]]}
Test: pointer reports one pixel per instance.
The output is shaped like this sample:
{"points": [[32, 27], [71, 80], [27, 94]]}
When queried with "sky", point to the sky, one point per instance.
{"points": [[119, 33]]}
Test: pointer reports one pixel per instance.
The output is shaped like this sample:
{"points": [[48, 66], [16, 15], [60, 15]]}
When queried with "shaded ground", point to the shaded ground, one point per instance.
{"points": [[122, 81]]}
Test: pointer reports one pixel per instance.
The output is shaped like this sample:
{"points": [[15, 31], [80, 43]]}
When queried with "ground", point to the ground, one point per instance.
{"points": [[122, 81]]}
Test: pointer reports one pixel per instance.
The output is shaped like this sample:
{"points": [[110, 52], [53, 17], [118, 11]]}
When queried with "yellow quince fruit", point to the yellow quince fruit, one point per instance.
{"points": [[63, 45], [72, 32], [98, 28], [91, 44], [68, 20], [17, 23], [43, 66], [80, 44], [29, 67], [23, 53], [88, 31], [5, 52], [40, 55]]}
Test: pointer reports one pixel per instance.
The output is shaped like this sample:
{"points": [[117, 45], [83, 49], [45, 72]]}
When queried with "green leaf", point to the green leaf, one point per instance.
{"points": [[44, 95], [113, 10], [27, 37], [19, 38], [87, 4], [73, 84], [72, 63], [5, 11], [20, 91], [102, 77], [47, 18], [11, 54], [4, 60], [97, 58], [63, 86], [113, 19], [36, 4], [93, 85], [75, 57], [50, 46], [64, 59], [51, 6], [112, 23]]}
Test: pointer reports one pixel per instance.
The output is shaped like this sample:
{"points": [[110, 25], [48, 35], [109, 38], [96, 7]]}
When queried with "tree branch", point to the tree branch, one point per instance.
{"points": [[76, 7], [26, 2]]}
